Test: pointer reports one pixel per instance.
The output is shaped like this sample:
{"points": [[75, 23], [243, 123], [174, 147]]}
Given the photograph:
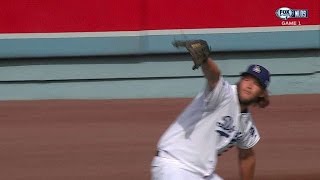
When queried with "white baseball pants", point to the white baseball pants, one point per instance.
{"points": [[167, 169]]}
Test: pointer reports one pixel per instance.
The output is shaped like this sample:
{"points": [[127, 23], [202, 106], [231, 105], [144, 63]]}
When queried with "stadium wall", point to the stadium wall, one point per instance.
{"points": [[111, 49], [149, 76]]}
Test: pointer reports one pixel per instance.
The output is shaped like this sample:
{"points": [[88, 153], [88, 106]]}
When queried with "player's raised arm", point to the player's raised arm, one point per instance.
{"points": [[211, 72], [200, 52]]}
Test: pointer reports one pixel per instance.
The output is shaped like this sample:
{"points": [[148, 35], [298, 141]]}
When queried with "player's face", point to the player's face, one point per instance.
{"points": [[249, 89]]}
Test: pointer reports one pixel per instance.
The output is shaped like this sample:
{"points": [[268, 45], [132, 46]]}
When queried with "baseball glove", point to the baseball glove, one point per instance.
{"points": [[198, 49]]}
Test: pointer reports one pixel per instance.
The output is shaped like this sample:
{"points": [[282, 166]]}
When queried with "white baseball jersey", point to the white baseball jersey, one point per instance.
{"points": [[210, 123], [246, 137]]}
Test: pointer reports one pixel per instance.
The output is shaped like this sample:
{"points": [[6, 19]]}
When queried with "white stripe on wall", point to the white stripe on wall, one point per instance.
{"points": [[159, 32]]}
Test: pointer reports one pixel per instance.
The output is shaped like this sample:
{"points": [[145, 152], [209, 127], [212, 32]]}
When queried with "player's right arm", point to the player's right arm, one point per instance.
{"points": [[211, 72], [247, 162]]}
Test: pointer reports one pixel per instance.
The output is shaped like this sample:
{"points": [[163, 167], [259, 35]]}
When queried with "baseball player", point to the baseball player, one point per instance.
{"points": [[216, 119]]}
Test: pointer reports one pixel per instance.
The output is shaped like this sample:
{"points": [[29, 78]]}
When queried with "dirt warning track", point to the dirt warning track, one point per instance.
{"points": [[116, 139]]}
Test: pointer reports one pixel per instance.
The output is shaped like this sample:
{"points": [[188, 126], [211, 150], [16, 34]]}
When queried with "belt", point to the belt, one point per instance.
{"points": [[157, 153], [163, 154]]}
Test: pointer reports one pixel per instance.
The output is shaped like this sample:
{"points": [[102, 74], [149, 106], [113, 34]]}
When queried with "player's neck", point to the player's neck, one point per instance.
{"points": [[244, 107]]}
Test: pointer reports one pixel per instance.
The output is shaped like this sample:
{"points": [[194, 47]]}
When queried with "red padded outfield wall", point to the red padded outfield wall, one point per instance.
{"points": [[38, 16], [37, 28]]}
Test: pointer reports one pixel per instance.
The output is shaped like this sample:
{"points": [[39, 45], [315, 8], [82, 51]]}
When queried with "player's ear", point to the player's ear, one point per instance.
{"points": [[264, 100], [263, 93]]}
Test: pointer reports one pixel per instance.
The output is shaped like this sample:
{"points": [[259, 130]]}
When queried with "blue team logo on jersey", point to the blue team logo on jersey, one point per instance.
{"points": [[252, 131], [226, 125], [223, 133]]}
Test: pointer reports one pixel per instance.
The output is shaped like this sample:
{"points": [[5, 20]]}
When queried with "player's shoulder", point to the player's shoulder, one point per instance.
{"points": [[222, 86], [226, 86]]}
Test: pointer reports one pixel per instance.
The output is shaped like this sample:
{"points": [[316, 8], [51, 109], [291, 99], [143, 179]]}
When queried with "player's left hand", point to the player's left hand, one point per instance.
{"points": [[199, 50]]}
